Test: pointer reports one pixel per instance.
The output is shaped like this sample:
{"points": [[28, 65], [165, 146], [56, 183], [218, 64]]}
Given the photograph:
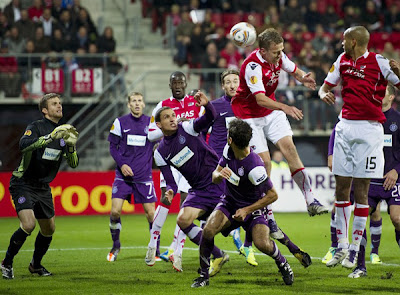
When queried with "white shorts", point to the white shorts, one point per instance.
{"points": [[180, 180], [358, 149], [273, 127]]}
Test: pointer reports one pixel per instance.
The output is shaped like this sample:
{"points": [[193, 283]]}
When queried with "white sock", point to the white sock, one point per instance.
{"points": [[180, 242], [342, 217], [159, 219], [360, 220], [176, 232], [270, 214], [300, 176]]}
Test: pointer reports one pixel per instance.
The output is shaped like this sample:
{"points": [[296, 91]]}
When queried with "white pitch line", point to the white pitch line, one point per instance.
{"points": [[190, 249]]}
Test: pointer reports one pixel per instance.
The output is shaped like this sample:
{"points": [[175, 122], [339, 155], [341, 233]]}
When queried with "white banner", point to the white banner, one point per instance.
{"points": [[290, 198]]}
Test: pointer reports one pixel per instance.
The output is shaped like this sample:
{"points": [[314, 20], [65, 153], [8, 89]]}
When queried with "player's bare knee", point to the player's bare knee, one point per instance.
{"points": [[395, 218], [183, 221], [28, 226], [115, 214], [209, 232]]}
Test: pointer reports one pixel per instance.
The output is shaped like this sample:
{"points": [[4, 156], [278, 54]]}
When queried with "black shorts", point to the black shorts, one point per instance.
{"points": [[34, 196]]}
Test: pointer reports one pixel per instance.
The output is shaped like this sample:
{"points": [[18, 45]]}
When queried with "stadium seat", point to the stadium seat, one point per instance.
{"points": [[287, 36], [216, 18], [308, 36], [230, 19], [257, 19], [394, 38], [378, 40]]}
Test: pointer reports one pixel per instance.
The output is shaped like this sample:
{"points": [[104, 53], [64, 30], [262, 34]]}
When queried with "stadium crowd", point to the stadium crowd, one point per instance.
{"points": [[50, 26]]}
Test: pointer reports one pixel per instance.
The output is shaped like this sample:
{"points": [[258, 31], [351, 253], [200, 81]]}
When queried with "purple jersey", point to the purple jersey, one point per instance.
{"points": [[190, 155], [249, 180], [129, 145], [217, 139]]}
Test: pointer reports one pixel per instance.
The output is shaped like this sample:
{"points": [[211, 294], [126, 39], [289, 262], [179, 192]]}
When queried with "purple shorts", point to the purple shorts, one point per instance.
{"points": [[377, 193], [206, 203], [143, 192], [257, 217]]}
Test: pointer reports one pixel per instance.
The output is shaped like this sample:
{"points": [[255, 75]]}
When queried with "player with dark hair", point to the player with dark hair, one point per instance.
{"points": [[133, 153], [43, 145], [255, 103], [248, 190], [359, 135], [182, 147], [185, 108]]}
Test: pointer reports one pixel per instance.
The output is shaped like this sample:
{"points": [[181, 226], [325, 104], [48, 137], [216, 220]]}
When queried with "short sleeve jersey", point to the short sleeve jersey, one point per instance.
{"points": [[364, 84], [130, 134], [186, 107], [249, 180], [258, 76]]}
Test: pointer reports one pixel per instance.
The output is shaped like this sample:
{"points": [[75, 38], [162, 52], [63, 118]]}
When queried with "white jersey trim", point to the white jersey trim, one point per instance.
{"points": [[257, 175], [117, 128], [253, 77], [333, 76], [387, 72], [158, 159], [155, 133], [189, 127]]}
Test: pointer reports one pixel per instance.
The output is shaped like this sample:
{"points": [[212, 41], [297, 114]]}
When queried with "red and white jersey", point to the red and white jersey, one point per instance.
{"points": [[364, 84], [186, 107], [258, 76]]}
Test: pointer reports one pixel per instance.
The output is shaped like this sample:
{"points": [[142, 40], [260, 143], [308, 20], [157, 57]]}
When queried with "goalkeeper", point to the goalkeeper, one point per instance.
{"points": [[43, 145]]}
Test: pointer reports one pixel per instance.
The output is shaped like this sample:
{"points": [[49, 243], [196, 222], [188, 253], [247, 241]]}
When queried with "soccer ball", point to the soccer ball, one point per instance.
{"points": [[243, 34]]}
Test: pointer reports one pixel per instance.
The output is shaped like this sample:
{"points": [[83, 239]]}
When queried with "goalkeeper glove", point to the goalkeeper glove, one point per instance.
{"points": [[58, 132], [70, 138]]}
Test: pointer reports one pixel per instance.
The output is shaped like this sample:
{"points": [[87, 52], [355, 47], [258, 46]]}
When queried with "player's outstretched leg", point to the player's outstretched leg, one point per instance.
{"points": [[300, 255], [235, 234], [166, 255], [274, 231], [247, 250], [176, 257], [159, 219]]}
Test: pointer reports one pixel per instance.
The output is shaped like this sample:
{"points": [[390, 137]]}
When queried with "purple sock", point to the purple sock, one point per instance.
{"points": [[248, 240], [115, 229], [397, 237], [361, 253], [277, 255], [334, 242], [375, 227], [194, 233], [288, 243], [206, 247]]}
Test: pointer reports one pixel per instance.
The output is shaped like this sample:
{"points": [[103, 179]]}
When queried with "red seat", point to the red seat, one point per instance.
{"points": [[308, 36], [287, 36], [257, 19], [394, 38], [216, 18], [231, 19]]}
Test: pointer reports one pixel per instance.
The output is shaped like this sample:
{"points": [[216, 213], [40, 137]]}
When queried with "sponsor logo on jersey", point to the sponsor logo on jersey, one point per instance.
{"points": [[393, 127], [355, 72], [112, 127], [188, 114], [261, 179], [362, 67], [28, 133], [332, 69], [126, 130], [224, 113], [175, 108], [234, 179], [182, 157], [253, 66], [136, 140], [51, 154], [387, 140], [253, 79], [190, 104]]}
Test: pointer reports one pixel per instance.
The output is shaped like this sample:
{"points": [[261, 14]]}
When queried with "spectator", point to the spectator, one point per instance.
{"points": [[69, 63], [56, 9], [183, 32], [389, 52], [351, 17], [13, 11], [210, 61], [58, 43], [319, 43], [392, 19], [370, 17], [48, 23], [292, 14], [76, 8], [198, 46], [84, 20], [42, 42], [208, 26], [92, 59], [15, 42], [9, 76], [36, 10], [28, 62], [219, 38], [278, 161], [330, 19], [67, 4], [67, 27], [53, 61], [81, 40], [106, 42], [312, 17], [25, 25], [232, 56], [4, 26], [114, 67], [297, 42]]}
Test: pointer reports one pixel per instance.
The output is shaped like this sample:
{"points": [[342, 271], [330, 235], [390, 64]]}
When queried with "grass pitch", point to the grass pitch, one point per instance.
{"points": [[77, 259]]}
